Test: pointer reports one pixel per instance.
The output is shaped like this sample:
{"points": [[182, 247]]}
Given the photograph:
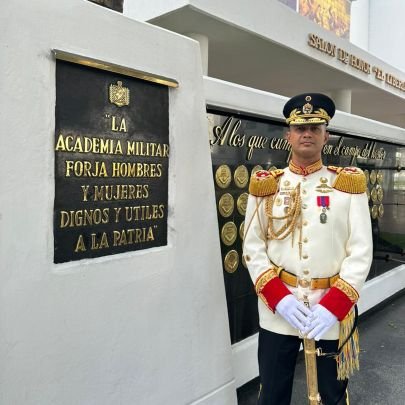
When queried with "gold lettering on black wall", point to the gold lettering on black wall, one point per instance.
{"points": [[111, 163]]}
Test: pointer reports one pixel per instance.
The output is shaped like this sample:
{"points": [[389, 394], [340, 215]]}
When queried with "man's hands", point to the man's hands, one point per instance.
{"points": [[313, 323], [294, 312], [320, 322]]}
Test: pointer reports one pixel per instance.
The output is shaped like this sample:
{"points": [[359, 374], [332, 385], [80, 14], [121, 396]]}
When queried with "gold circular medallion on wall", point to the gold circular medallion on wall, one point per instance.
{"points": [[244, 262], [241, 176], [241, 203], [373, 195], [367, 174], [380, 210], [226, 205], [229, 233], [380, 177], [231, 261], [242, 230], [373, 177], [380, 193], [368, 193], [256, 169], [374, 212], [223, 176]]}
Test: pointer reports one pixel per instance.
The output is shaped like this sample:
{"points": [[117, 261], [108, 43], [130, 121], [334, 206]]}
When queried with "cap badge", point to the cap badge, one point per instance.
{"points": [[307, 108], [308, 98]]}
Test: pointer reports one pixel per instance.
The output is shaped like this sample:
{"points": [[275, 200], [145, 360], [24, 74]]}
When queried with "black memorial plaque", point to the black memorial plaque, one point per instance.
{"points": [[111, 163]]}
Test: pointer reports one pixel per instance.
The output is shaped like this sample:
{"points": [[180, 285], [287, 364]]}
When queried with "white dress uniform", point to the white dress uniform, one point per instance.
{"points": [[307, 233], [332, 238]]}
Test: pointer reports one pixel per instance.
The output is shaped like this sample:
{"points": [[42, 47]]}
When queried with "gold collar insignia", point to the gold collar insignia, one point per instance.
{"points": [[304, 171]]}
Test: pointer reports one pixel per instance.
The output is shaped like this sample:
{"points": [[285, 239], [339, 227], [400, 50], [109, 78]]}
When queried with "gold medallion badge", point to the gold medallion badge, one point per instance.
{"points": [[380, 193], [367, 174], [374, 212], [241, 176], [229, 233], [242, 230], [119, 95], [380, 177], [226, 205], [231, 261], [223, 176], [256, 169], [244, 262], [373, 176], [242, 203], [373, 195], [380, 210]]}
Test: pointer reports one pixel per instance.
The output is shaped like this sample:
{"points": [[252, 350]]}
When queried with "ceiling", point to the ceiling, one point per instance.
{"points": [[245, 58]]}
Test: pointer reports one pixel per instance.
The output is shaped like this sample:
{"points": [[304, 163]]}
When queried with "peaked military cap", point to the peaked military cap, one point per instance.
{"points": [[309, 108]]}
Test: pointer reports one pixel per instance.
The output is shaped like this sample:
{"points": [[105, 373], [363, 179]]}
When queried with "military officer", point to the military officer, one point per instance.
{"points": [[307, 237]]}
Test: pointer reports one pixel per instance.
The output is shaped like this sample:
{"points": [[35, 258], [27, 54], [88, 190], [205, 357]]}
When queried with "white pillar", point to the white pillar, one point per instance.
{"points": [[343, 100], [203, 40]]}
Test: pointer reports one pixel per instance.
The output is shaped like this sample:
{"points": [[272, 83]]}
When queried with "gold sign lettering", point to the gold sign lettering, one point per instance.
{"points": [[84, 217], [85, 168], [354, 61], [80, 247], [133, 236], [118, 125], [322, 45], [369, 151], [228, 133]]}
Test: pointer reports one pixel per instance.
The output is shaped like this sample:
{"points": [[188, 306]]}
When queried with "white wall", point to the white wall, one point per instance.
{"points": [[147, 327], [144, 10], [387, 31], [359, 23]]}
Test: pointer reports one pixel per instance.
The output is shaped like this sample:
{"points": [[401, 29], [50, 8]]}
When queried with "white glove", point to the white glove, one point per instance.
{"points": [[294, 312], [320, 323]]}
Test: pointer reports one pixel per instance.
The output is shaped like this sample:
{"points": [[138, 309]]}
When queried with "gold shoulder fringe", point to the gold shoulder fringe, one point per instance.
{"points": [[348, 359], [263, 182], [349, 179]]}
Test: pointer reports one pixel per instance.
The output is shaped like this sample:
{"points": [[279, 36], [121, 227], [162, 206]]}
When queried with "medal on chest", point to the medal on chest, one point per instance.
{"points": [[323, 202]]}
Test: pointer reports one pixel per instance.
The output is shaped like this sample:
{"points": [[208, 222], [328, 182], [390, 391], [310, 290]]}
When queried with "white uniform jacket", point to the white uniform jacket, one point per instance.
{"points": [[342, 245]]}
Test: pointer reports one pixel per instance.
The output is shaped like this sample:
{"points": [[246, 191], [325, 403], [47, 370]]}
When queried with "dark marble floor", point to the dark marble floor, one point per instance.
{"points": [[381, 380]]}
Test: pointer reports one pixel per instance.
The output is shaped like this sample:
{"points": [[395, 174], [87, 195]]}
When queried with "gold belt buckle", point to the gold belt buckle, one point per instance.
{"points": [[304, 283]]}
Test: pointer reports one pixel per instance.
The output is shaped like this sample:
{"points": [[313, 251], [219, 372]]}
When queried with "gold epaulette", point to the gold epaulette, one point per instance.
{"points": [[264, 183], [349, 179]]}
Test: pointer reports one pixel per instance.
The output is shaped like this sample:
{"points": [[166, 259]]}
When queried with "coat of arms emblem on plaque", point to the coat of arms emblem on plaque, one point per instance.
{"points": [[119, 95]]}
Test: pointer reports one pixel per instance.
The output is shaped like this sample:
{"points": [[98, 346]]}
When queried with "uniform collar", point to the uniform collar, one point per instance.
{"points": [[304, 171]]}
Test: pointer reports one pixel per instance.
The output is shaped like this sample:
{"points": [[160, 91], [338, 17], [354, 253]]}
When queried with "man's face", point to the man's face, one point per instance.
{"points": [[307, 141]]}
